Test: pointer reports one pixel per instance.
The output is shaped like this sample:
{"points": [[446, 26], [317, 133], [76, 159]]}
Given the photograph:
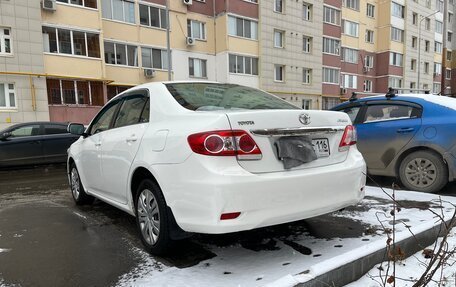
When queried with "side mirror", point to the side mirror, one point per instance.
{"points": [[76, 129], [5, 135]]}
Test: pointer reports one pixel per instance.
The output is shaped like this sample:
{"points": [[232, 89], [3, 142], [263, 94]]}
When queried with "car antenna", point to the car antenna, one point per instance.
{"points": [[391, 93], [353, 97]]}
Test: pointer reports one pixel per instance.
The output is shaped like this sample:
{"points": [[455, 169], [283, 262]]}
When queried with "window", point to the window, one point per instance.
{"points": [[449, 36], [307, 11], [278, 6], [368, 61], [152, 16], [54, 129], [415, 18], [329, 102], [414, 41], [397, 10], [306, 104], [350, 81], [439, 5], [307, 44], [63, 41], [436, 88], [243, 65], [350, 55], [121, 54], [396, 59], [350, 28], [331, 15], [130, 111], [426, 67], [367, 86], [279, 73], [120, 10], [330, 76], [377, 113], [370, 11], [5, 41], [395, 82], [196, 29], [369, 36], [412, 86], [154, 58], [413, 65], [428, 3], [438, 47], [437, 69], [104, 118], [114, 90], [7, 96], [427, 45], [352, 4], [85, 3], [66, 92], [352, 112], [242, 28], [331, 46], [306, 76], [397, 34], [197, 68], [26, 131], [438, 27], [278, 38], [448, 74], [427, 24], [450, 18], [449, 55]]}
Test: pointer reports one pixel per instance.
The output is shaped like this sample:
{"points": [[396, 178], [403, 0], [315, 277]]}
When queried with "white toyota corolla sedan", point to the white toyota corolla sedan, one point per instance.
{"points": [[206, 157]]}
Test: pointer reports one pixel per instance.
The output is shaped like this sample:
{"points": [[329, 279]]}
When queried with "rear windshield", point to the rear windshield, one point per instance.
{"points": [[209, 97]]}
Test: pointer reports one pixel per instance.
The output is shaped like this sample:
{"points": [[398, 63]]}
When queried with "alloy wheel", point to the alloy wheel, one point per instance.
{"points": [[148, 216], [420, 172], [75, 183]]}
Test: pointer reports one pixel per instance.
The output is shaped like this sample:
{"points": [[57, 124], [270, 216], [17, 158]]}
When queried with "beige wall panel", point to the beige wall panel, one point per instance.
{"points": [[244, 46], [350, 42], [397, 47], [72, 16], [152, 37], [221, 34], [383, 34], [73, 66], [120, 31]]}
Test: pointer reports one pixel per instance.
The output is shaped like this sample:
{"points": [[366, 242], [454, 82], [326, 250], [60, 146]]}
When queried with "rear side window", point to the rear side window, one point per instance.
{"points": [[209, 96], [352, 112], [377, 113], [130, 111], [54, 129]]}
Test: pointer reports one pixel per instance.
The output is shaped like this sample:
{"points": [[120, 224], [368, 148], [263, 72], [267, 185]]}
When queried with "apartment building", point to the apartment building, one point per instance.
{"points": [[291, 43], [22, 87]]}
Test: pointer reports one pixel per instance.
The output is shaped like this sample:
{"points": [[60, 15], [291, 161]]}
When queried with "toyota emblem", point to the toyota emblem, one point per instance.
{"points": [[304, 119]]}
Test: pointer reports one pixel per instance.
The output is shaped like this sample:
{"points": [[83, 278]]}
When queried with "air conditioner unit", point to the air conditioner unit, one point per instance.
{"points": [[149, 73], [190, 41], [49, 5], [343, 91], [187, 2]]}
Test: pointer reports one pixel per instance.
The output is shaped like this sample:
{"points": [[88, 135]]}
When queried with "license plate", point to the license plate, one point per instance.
{"points": [[321, 147]]}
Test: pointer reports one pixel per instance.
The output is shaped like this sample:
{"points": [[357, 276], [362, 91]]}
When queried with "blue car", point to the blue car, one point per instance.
{"points": [[411, 137]]}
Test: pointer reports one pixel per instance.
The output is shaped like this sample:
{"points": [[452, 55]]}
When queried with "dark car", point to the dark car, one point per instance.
{"points": [[411, 137], [34, 143]]}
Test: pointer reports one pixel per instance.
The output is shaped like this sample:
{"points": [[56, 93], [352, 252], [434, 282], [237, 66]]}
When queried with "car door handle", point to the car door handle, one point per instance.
{"points": [[97, 144], [405, 130], [131, 139]]}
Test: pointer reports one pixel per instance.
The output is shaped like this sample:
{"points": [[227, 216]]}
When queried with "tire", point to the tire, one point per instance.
{"points": [[77, 189], [423, 171], [152, 218]]}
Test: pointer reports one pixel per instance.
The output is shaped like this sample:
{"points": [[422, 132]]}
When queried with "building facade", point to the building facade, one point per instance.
{"points": [[22, 85]]}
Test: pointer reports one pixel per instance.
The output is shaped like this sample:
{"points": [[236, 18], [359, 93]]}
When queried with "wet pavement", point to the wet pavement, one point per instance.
{"points": [[46, 240]]}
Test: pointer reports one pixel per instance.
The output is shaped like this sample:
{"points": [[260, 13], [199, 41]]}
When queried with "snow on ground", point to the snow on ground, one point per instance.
{"points": [[306, 257]]}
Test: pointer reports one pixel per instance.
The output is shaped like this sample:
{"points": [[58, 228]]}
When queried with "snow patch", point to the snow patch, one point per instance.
{"points": [[439, 100], [4, 250], [80, 215]]}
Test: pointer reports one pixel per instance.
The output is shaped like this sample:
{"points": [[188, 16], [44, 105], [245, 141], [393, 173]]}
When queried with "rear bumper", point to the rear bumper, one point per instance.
{"points": [[205, 190]]}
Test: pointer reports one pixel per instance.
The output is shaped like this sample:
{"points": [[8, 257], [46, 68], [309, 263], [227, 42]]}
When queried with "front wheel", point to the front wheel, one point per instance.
{"points": [[77, 189], [152, 218], [423, 171]]}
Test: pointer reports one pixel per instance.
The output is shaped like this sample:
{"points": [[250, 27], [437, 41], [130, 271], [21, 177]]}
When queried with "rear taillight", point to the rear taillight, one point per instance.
{"points": [[225, 143], [348, 138]]}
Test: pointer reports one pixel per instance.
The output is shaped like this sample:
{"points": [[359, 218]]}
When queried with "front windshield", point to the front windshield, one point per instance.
{"points": [[212, 96]]}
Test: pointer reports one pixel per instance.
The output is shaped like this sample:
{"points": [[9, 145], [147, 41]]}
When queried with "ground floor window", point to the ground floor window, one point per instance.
{"points": [[306, 104], [329, 102], [7, 95], [75, 92], [115, 90]]}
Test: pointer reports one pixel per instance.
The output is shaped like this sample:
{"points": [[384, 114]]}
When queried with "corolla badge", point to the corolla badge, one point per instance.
{"points": [[304, 119]]}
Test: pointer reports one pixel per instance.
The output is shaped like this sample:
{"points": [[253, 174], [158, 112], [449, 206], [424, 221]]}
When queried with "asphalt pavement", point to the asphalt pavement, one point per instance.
{"points": [[46, 240]]}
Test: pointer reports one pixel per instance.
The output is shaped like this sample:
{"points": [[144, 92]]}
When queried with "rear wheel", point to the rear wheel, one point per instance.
{"points": [[423, 171], [77, 189], [152, 218]]}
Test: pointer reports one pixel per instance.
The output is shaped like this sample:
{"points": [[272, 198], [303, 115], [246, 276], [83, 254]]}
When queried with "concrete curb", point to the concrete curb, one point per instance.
{"points": [[356, 269]]}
